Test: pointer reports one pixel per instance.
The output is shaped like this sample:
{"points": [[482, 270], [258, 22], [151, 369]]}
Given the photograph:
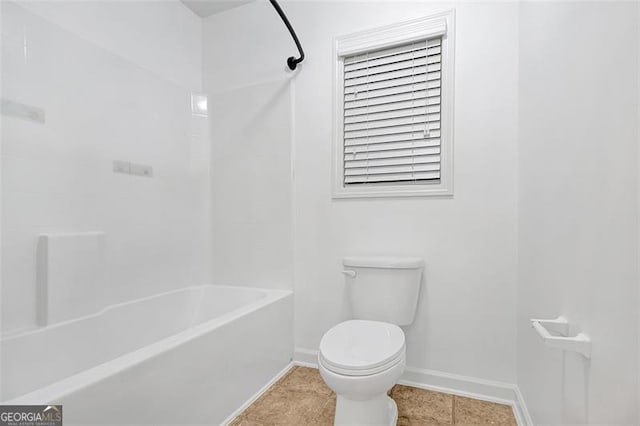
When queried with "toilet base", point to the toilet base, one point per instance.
{"points": [[379, 410]]}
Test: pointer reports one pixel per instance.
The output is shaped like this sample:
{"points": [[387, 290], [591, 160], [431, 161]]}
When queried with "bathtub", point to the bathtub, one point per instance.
{"points": [[185, 357]]}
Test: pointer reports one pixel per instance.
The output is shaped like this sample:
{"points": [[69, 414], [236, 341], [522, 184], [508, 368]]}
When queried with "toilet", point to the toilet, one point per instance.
{"points": [[362, 358]]}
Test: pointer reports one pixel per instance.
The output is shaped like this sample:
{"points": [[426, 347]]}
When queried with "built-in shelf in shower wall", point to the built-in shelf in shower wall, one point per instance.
{"points": [[15, 109], [71, 275]]}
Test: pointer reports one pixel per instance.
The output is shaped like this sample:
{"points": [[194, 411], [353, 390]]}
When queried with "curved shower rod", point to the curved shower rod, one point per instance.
{"points": [[291, 61]]}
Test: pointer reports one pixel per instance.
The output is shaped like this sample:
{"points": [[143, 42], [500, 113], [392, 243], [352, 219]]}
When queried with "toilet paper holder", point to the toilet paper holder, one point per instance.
{"points": [[580, 343]]}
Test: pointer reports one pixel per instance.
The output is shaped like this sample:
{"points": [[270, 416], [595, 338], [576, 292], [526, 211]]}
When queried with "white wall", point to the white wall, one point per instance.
{"points": [[465, 320], [578, 207], [115, 80], [1, 250], [251, 187], [161, 36]]}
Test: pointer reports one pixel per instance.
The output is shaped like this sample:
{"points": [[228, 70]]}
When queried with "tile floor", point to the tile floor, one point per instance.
{"points": [[302, 398]]}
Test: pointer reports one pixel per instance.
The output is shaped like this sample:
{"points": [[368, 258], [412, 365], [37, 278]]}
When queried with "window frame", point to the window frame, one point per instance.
{"points": [[440, 24]]}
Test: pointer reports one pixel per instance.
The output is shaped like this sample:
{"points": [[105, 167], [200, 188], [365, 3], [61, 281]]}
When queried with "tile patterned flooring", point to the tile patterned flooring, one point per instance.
{"points": [[300, 397]]}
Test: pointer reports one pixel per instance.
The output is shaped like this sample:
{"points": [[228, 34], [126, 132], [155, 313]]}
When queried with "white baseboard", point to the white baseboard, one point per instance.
{"points": [[305, 357], [520, 409], [257, 395], [486, 390]]}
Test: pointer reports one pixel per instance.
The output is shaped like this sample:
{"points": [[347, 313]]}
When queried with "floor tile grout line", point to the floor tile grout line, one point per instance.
{"points": [[453, 410]]}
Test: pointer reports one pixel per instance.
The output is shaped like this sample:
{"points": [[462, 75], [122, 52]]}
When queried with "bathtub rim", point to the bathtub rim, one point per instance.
{"points": [[43, 329], [71, 384]]}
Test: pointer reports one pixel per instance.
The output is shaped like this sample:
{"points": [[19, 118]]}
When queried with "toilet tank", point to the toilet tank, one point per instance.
{"points": [[383, 288]]}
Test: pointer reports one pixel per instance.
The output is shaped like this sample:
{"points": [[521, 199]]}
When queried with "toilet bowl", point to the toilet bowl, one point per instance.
{"points": [[361, 360]]}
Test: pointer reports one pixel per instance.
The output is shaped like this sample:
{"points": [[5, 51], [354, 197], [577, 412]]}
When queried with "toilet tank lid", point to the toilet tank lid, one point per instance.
{"points": [[386, 262]]}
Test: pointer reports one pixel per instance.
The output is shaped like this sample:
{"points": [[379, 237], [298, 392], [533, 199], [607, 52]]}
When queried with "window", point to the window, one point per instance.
{"points": [[394, 110]]}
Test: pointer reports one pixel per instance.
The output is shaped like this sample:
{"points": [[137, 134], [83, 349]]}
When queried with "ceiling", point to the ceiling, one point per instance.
{"points": [[204, 8]]}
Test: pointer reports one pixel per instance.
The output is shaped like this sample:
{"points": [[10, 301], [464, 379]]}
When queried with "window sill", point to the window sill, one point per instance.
{"points": [[431, 191]]}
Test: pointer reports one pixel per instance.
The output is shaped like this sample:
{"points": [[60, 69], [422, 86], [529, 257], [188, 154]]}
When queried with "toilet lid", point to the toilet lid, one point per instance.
{"points": [[361, 346]]}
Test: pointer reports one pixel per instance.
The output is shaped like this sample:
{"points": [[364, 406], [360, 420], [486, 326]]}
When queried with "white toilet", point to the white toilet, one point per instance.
{"points": [[361, 359]]}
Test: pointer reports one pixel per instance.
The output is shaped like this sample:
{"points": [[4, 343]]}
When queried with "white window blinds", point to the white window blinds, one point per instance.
{"points": [[392, 114]]}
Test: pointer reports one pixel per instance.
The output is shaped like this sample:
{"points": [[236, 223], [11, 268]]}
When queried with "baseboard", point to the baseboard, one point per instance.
{"points": [[520, 409], [305, 357], [472, 387], [257, 395], [486, 390]]}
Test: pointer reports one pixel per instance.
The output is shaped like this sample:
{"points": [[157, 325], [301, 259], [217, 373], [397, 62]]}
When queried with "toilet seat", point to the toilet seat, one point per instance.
{"points": [[362, 347]]}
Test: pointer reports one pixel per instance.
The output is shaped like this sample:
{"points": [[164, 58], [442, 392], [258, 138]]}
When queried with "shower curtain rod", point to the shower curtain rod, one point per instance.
{"points": [[291, 61]]}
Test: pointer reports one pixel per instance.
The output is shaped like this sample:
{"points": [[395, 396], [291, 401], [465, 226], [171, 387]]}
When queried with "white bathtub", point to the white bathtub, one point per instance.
{"points": [[190, 356]]}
